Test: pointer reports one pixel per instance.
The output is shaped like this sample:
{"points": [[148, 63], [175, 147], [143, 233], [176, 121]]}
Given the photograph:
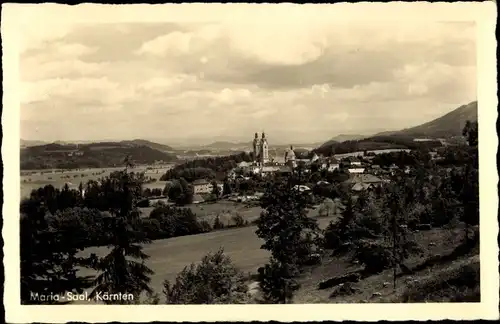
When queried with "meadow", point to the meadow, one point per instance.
{"points": [[38, 178], [169, 256]]}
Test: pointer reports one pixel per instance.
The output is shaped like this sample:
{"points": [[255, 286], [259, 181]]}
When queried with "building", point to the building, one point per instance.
{"points": [[202, 186], [290, 158], [301, 188], [361, 182], [260, 149], [333, 166], [356, 170]]}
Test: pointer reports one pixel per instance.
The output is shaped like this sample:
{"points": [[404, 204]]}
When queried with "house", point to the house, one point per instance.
{"points": [[356, 170], [334, 166], [202, 186], [363, 181], [269, 169], [285, 170], [243, 164], [301, 188], [356, 163], [359, 186]]}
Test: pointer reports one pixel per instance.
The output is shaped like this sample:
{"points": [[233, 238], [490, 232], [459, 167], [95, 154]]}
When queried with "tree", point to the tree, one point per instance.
{"points": [[215, 190], [214, 281], [48, 257], [277, 281], [283, 223], [123, 269], [470, 132], [227, 188], [289, 234]]}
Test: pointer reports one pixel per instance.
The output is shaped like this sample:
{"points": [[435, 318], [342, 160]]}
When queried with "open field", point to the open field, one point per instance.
{"points": [[35, 179], [168, 257]]}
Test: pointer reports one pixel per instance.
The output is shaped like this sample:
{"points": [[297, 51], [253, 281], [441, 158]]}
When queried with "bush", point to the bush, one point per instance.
{"points": [[456, 284], [277, 283], [214, 281], [376, 256], [217, 223], [238, 220]]}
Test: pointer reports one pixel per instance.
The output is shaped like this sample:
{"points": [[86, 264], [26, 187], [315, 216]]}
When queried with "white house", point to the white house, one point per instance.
{"points": [[356, 163], [356, 170], [301, 188], [202, 186], [333, 167]]}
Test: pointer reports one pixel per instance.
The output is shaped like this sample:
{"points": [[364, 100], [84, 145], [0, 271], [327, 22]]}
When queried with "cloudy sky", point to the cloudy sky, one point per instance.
{"points": [[301, 79]]}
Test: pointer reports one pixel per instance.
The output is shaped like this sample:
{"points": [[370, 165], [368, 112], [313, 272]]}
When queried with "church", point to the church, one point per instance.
{"points": [[260, 150], [261, 153]]}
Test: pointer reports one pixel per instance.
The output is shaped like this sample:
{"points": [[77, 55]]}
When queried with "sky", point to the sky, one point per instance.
{"points": [[299, 78]]}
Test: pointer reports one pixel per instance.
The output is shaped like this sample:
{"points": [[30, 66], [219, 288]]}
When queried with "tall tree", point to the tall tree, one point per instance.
{"points": [[289, 234], [470, 132], [123, 270]]}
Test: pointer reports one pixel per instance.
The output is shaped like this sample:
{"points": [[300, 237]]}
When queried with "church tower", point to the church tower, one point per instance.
{"points": [[264, 149], [256, 148]]}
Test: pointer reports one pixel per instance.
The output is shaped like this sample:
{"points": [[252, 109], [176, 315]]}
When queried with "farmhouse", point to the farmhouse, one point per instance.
{"points": [[356, 170], [201, 186], [362, 182]]}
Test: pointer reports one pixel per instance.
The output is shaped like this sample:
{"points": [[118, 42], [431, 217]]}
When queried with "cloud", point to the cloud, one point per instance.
{"points": [[301, 78]]}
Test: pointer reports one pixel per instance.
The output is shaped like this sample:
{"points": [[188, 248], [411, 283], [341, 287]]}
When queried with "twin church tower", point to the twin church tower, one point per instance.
{"points": [[260, 149]]}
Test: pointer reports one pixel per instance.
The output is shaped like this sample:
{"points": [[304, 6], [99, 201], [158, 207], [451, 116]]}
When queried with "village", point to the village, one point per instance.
{"points": [[358, 172]]}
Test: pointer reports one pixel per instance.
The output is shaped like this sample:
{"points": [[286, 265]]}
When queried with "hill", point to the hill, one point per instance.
{"points": [[348, 137], [28, 143], [153, 145], [94, 155], [447, 126]]}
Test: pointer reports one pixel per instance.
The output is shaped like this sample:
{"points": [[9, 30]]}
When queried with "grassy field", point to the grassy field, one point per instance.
{"points": [[379, 288], [169, 256], [35, 179]]}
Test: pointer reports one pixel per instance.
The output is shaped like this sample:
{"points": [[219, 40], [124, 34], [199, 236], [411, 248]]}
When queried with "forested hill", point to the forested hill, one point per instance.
{"points": [[95, 155], [446, 126], [153, 145], [449, 127]]}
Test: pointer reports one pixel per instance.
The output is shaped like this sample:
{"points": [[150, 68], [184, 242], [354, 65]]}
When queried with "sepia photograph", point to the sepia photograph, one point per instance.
{"points": [[249, 155]]}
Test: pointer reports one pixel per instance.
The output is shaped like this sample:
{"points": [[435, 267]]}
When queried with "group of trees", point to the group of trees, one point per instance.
{"points": [[375, 143], [377, 225], [51, 239], [207, 168]]}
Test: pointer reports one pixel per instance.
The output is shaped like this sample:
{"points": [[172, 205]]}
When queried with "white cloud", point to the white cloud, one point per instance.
{"points": [[236, 77]]}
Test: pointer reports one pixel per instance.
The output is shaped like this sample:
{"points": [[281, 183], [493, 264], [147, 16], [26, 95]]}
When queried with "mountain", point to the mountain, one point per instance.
{"points": [[153, 145], [348, 137], [94, 155], [226, 145], [28, 143], [447, 126]]}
